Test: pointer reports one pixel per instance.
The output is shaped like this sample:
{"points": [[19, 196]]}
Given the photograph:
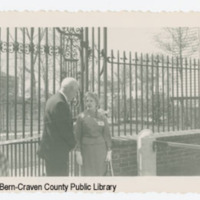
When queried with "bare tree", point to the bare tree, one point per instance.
{"points": [[179, 42]]}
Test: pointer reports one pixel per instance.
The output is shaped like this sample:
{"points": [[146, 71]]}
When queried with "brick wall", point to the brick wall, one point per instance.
{"points": [[176, 161], [124, 156]]}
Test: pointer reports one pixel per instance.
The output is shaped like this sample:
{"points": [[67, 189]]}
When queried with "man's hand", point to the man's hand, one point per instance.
{"points": [[109, 156], [79, 158]]}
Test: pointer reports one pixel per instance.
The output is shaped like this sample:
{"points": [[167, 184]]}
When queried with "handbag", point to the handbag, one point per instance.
{"points": [[109, 170]]}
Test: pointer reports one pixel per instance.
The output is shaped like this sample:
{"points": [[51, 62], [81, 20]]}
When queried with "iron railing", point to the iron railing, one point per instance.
{"points": [[154, 92], [33, 61], [24, 161], [138, 91], [22, 157]]}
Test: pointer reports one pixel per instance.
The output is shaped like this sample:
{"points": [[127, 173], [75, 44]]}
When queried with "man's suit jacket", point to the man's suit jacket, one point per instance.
{"points": [[58, 138]]}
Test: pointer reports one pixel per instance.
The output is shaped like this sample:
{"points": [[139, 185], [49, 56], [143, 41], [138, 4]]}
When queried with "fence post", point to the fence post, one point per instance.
{"points": [[86, 56], [105, 68], [146, 157], [81, 70]]}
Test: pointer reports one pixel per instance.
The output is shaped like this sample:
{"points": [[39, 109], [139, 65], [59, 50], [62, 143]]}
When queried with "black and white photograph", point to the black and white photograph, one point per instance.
{"points": [[99, 101]]}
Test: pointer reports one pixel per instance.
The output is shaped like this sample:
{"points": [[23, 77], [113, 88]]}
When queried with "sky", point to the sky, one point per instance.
{"points": [[139, 40]]}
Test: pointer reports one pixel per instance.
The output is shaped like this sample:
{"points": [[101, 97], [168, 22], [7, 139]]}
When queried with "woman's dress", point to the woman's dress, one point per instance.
{"points": [[93, 140]]}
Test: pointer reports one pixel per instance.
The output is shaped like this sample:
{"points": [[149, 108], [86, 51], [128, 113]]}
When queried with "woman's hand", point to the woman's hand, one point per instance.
{"points": [[109, 156], [79, 158]]}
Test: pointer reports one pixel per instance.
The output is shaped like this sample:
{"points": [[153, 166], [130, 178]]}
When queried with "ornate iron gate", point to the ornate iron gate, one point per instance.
{"points": [[33, 61]]}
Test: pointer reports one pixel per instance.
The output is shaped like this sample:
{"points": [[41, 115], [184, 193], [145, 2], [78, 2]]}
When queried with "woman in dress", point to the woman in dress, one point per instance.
{"points": [[93, 149]]}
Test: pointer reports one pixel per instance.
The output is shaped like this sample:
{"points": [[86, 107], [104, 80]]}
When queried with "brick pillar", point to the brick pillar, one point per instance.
{"points": [[146, 157], [124, 156]]}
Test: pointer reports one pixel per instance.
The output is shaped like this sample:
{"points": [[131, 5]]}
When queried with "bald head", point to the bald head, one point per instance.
{"points": [[69, 86], [68, 82]]}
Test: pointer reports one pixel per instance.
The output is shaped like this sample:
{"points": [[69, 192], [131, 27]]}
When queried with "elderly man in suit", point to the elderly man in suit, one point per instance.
{"points": [[58, 138]]}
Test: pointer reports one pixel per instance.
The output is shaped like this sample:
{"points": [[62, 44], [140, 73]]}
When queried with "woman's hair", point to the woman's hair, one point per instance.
{"points": [[92, 95]]}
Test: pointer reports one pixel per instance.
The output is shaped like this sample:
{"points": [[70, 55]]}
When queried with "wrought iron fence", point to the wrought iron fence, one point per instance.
{"points": [[138, 91], [155, 92], [22, 157], [33, 61], [23, 160]]}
